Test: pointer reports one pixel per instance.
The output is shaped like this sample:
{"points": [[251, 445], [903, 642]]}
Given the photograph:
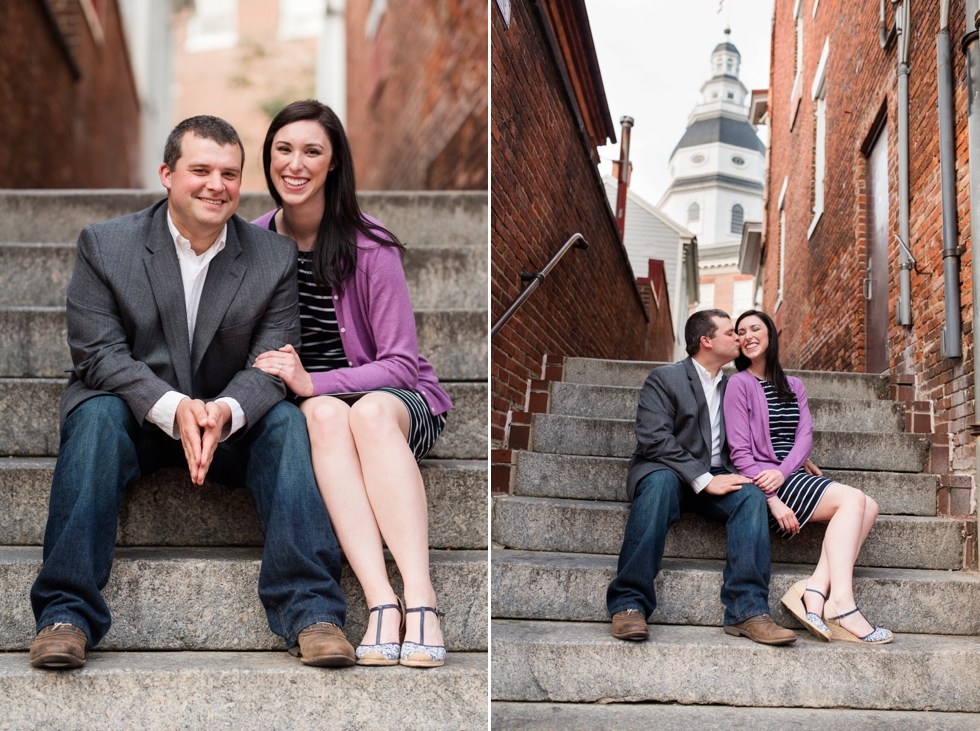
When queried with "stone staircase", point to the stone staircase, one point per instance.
{"points": [[556, 536], [189, 647]]}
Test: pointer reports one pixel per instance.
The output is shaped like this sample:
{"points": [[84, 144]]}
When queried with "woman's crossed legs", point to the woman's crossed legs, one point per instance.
{"points": [[372, 487], [849, 515]]}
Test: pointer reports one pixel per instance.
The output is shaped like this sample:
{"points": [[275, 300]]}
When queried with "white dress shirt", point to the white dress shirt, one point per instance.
{"points": [[713, 399], [193, 273]]}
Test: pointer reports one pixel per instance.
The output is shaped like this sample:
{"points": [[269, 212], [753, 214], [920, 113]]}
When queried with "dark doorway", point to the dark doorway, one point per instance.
{"points": [[876, 281]]}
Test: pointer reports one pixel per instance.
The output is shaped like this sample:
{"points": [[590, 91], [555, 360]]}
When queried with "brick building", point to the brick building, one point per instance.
{"points": [[70, 111], [415, 112], [830, 253], [549, 115], [417, 94]]}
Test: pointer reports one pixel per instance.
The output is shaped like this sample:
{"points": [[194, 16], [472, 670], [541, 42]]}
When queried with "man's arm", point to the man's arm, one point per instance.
{"points": [[254, 391], [100, 350], [655, 421]]}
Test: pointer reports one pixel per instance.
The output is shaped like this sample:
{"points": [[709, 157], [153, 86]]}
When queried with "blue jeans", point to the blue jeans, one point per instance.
{"points": [[659, 500], [104, 451]]}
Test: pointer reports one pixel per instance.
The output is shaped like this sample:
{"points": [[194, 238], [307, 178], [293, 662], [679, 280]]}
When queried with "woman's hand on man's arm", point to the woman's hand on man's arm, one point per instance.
{"points": [[285, 364]]}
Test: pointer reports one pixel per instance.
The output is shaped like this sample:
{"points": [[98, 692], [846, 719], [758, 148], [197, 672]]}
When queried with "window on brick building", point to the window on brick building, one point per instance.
{"points": [[214, 25], [738, 217], [301, 18], [707, 301], [819, 94], [693, 213], [741, 297]]}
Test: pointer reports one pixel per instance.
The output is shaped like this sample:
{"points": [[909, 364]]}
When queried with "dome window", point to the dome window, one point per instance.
{"points": [[738, 161], [697, 159], [731, 95], [693, 213], [738, 216]]}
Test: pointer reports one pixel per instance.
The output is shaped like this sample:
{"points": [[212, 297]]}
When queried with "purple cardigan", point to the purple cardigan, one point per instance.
{"points": [[747, 427], [377, 329]]}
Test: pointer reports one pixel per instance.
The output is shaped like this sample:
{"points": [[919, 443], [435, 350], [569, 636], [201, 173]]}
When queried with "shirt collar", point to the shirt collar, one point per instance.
{"points": [[704, 375], [181, 243]]}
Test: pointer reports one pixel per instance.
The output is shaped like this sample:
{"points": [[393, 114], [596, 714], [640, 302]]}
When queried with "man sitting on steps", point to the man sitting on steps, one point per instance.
{"points": [[681, 464], [167, 310]]}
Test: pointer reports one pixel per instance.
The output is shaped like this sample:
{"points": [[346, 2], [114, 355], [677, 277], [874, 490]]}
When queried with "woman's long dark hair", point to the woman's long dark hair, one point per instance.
{"points": [[335, 247], [774, 371]]}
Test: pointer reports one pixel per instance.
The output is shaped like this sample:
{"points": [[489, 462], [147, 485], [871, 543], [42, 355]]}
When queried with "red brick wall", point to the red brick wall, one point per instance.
{"points": [[660, 330], [417, 95], [822, 316], [58, 130], [545, 188]]}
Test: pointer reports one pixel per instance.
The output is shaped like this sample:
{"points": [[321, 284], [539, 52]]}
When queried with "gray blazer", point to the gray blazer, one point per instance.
{"points": [[127, 323], [673, 428]]}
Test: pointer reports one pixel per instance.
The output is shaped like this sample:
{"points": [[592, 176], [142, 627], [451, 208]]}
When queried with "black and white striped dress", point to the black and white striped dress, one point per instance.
{"points": [[323, 350], [800, 492]]}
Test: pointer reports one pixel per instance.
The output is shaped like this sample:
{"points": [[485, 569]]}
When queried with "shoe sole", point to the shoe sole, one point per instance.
{"points": [[632, 636], [794, 607], [376, 662], [735, 632], [57, 662], [329, 661], [422, 663]]}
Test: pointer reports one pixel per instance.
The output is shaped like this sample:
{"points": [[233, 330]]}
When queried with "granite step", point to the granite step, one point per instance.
{"points": [[819, 384], [505, 716], [584, 526], [241, 691], [34, 342], [572, 587], [207, 599], [829, 414], [166, 509], [583, 663], [558, 434], [539, 474], [434, 218], [29, 427], [450, 276]]}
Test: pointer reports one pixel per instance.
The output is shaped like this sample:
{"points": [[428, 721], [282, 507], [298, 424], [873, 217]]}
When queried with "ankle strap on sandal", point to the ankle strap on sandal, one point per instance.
{"points": [[380, 609], [825, 598], [422, 611], [845, 614]]}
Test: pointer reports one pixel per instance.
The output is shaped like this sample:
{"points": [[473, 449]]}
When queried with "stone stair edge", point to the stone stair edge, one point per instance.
{"points": [[237, 690], [581, 662]]}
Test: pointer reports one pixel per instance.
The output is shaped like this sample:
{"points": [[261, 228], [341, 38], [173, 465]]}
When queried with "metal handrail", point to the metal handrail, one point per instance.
{"points": [[577, 241]]}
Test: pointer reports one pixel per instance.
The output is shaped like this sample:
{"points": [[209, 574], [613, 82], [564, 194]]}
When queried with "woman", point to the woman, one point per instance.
{"points": [[770, 434], [358, 337]]}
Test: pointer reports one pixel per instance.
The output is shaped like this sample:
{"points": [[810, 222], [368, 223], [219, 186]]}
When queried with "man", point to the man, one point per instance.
{"points": [[167, 310], [681, 463]]}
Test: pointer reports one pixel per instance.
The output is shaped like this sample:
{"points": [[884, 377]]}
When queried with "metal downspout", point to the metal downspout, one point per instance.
{"points": [[905, 263], [951, 335]]}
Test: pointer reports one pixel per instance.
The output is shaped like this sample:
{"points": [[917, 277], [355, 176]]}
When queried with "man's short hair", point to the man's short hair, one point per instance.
{"points": [[701, 325], [206, 127]]}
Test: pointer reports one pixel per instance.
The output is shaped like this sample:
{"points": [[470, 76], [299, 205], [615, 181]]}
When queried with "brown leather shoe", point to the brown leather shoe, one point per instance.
{"points": [[324, 645], [630, 624], [762, 629], [59, 646]]}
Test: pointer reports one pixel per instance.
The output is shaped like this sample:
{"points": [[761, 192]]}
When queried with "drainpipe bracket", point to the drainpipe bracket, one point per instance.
{"points": [[957, 251], [968, 38], [975, 430]]}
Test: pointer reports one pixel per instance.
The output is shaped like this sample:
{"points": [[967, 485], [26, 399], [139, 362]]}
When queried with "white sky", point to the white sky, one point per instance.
{"points": [[654, 56]]}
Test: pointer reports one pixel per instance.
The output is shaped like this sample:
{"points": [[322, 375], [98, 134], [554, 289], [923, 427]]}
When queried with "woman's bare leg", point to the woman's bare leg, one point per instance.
{"points": [[379, 423], [337, 468], [846, 510]]}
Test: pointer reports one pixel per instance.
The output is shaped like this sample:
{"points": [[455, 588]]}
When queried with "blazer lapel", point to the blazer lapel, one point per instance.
{"points": [[704, 418], [225, 275], [163, 270]]}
